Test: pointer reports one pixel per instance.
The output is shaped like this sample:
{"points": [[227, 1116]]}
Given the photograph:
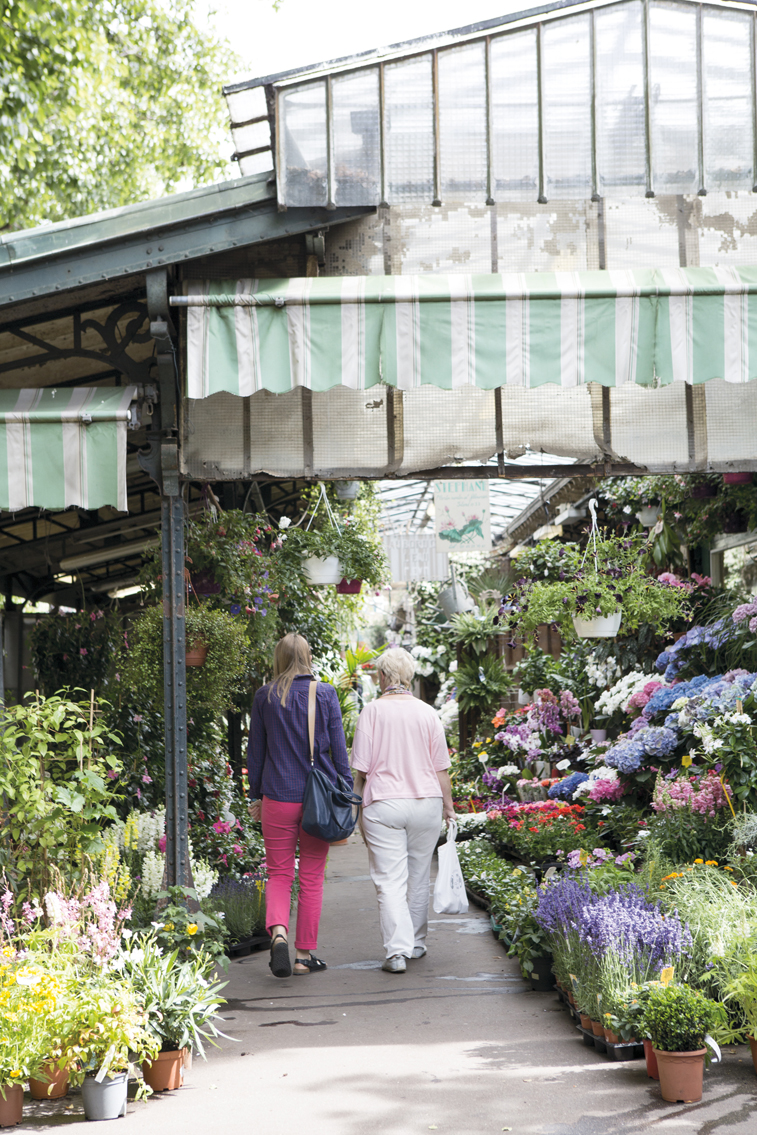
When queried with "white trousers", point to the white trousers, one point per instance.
{"points": [[401, 836]]}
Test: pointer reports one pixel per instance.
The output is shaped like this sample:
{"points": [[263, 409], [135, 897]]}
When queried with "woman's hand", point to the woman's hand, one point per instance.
{"points": [[449, 812], [254, 808]]}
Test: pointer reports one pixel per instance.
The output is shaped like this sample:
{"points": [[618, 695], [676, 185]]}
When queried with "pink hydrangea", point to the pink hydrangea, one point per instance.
{"points": [[606, 791], [745, 611]]}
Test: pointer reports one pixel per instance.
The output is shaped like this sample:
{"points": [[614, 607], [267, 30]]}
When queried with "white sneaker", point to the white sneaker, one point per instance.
{"points": [[418, 952], [397, 964]]}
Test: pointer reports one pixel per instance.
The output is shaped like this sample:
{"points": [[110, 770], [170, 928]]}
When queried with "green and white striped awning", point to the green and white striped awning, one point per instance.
{"points": [[64, 447], [650, 327]]}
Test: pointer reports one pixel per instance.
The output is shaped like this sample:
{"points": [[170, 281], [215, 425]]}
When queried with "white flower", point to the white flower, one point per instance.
{"points": [[153, 866], [738, 718], [618, 695], [284, 521], [507, 770], [204, 876], [453, 666], [54, 910]]}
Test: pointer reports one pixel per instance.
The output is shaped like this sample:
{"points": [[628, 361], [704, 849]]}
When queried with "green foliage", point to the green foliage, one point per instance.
{"points": [[741, 990], [474, 632], [56, 788], [179, 997], [482, 682], [241, 906], [677, 1018], [104, 103], [220, 684], [190, 932], [360, 555], [539, 671], [683, 835], [78, 651]]}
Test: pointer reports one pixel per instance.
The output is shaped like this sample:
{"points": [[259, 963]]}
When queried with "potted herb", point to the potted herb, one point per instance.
{"points": [[678, 1020], [242, 906], [180, 1003]]}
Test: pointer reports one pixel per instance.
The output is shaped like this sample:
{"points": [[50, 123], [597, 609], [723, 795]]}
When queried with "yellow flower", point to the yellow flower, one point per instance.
{"points": [[686, 760], [16, 1073], [192, 928], [699, 860], [733, 884], [488, 741], [710, 862], [169, 926], [482, 756], [728, 868]]}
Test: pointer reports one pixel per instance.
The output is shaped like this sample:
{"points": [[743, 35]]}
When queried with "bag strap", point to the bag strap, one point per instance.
{"points": [[311, 720]]}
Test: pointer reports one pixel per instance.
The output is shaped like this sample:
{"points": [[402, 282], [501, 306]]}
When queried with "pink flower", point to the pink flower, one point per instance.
{"points": [[112, 774], [146, 778], [83, 650], [162, 843], [237, 849], [221, 827]]}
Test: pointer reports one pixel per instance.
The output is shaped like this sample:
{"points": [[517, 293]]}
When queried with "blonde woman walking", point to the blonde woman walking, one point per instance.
{"points": [[400, 760], [278, 765]]}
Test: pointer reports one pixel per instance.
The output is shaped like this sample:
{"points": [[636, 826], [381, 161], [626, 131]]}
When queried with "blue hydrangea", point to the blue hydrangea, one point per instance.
{"points": [[565, 788], [671, 721], [659, 741], [626, 756]]}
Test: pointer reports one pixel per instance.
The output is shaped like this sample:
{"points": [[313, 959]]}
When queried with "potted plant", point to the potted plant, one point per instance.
{"points": [[331, 554], [26, 996], [180, 1003], [594, 592], [108, 1031], [242, 905], [678, 1020], [218, 685], [742, 990]]}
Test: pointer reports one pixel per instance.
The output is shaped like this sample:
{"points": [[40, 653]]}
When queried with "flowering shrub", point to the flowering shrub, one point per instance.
{"points": [[626, 755], [565, 788]]}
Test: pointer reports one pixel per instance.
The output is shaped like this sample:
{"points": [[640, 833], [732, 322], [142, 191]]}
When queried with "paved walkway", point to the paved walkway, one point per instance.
{"points": [[457, 1045]]}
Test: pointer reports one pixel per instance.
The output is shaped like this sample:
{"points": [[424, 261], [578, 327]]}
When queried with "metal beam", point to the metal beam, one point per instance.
{"points": [[140, 252]]}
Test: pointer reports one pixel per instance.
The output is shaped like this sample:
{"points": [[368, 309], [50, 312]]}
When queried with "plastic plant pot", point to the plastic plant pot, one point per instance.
{"points": [[12, 1107], [106, 1100], [603, 626], [166, 1072], [54, 1087], [322, 572], [681, 1075], [349, 586]]}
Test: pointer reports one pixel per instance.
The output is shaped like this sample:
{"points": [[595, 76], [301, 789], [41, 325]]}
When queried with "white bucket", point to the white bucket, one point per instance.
{"points": [[603, 626], [320, 572], [648, 516]]}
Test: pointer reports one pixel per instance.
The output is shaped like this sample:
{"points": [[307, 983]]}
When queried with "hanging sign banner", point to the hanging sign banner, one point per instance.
{"points": [[461, 516], [415, 557]]}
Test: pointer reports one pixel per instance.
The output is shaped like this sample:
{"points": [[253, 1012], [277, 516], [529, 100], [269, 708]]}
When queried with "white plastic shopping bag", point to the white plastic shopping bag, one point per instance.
{"points": [[449, 889]]}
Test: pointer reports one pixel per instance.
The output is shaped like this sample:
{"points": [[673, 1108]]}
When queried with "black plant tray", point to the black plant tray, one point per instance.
{"points": [[248, 946], [622, 1051]]}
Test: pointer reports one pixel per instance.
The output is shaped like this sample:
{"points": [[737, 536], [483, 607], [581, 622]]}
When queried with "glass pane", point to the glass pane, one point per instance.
{"points": [[409, 130], [515, 117], [673, 75], [728, 145], [620, 100], [244, 105], [567, 108], [355, 102], [462, 123], [302, 120]]}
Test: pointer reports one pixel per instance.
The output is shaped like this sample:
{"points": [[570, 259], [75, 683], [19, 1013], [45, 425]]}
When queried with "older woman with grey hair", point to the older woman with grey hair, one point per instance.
{"points": [[400, 761]]}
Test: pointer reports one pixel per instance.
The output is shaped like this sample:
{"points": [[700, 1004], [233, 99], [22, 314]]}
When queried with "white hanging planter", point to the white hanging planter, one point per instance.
{"points": [[524, 698], [603, 626], [649, 515], [347, 490], [320, 572]]}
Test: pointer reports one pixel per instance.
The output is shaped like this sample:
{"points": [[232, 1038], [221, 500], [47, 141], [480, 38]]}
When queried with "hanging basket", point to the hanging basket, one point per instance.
{"points": [[320, 572], [603, 626], [349, 586], [197, 654], [649, 515], [347, 490]]}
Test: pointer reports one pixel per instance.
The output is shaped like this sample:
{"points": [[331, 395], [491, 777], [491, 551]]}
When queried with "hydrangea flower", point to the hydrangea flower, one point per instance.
{"points": [[626, 756], [659, 741], [565, 788]]}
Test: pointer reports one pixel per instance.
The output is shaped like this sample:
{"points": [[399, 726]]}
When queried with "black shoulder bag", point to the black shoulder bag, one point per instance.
{"points": [[329, 811]]}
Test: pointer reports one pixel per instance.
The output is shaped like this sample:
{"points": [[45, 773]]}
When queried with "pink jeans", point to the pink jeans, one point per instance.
{"points": [[281, 830]]}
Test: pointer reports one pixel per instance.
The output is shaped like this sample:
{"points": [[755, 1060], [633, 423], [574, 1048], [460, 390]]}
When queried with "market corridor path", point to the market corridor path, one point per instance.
{"points": [[459, 1045]]}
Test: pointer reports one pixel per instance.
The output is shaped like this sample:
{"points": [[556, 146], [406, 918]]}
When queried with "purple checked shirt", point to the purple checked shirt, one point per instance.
{"points": [[278, 749]]}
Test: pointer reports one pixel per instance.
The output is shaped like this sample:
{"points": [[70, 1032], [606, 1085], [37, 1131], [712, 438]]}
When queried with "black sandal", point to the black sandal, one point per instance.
{"points": [[313, 964], [280, 964]]}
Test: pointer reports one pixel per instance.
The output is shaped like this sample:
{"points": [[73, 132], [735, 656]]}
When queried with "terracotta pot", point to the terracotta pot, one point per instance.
{"points": [[164, 1073], [737, 478], [53, 1087], [681, 1075], [197, 654], [598, 1028], [651, 1060], [585, 1021], [611, 1037], [12, 1107], [571, 998], [349, 587]]}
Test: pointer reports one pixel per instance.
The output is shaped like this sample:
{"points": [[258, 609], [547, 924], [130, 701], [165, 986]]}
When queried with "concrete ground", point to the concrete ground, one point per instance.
{"points": [[459, 1045]]}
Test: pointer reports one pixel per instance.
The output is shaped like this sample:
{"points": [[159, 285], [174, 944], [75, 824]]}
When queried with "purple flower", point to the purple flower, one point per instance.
{"points": [[659, 741]]}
